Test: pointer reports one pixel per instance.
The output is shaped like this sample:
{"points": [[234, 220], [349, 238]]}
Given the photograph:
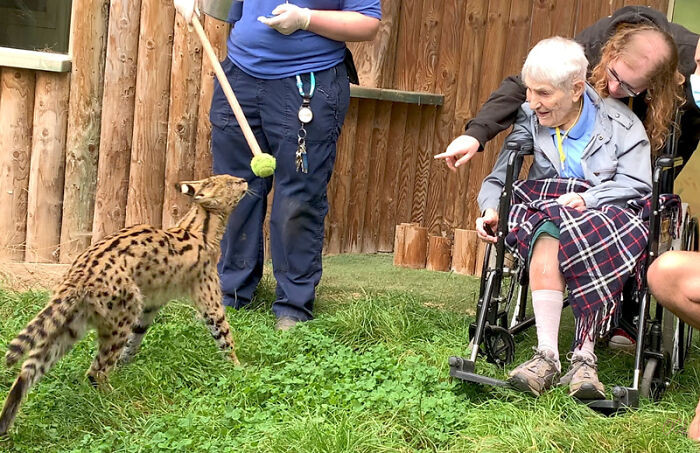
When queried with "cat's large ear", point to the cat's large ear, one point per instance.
{"points": [[189, 187]]}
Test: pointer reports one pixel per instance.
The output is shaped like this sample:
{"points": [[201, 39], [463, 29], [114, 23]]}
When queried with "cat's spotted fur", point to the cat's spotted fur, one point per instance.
{"points": [[118, 285]]}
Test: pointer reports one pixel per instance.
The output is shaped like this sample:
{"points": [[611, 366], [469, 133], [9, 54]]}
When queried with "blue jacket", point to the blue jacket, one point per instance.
{"points": [[617, 160]]}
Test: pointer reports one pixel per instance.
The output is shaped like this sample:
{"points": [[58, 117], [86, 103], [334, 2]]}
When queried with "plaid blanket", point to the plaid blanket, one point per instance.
{"points": [[598, 248]]}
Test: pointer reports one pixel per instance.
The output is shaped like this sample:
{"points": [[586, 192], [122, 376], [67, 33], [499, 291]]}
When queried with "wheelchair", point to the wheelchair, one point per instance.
{"points": [[662, 340]]}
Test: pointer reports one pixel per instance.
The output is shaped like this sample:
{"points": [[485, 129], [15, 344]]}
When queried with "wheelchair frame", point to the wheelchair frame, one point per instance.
{"points": [[662, 341]]}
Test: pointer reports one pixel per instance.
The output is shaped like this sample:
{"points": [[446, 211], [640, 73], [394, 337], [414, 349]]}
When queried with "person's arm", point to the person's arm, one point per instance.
{"points": [[337, 25], [496, 115], [499, 111]]}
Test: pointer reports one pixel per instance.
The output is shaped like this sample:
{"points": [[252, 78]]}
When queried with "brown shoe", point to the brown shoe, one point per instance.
{"points": [[285, 323], [582, 378], [537, 374]]}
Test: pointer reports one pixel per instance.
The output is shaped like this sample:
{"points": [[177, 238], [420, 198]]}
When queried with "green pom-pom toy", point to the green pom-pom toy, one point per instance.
{"points": [[263, 165]]}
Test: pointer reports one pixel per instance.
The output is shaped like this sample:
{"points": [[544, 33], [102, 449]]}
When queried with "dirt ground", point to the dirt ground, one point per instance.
{"points": [[27, 276]]}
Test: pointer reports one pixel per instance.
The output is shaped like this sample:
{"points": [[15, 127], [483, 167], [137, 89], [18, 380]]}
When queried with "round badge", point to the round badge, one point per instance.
{"points": [[305, 115]]}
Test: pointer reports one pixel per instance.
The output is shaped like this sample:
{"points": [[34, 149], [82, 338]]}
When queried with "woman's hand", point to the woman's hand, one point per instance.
{"points": [[487, 221], [187, 8], [572, 200], [288, 18]]}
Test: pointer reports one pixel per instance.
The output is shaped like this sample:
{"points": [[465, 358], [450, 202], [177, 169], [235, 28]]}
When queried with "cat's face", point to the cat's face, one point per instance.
{"points": [[218, 194]]}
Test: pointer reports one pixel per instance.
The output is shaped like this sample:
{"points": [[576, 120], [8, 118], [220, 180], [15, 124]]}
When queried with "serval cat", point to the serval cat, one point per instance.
{"points": [[118, 285]]}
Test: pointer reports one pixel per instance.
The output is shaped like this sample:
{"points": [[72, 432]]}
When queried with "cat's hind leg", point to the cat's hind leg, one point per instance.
{"points": [[138, 331]]}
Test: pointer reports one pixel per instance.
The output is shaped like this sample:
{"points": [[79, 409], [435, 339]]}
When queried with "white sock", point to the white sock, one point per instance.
{"points": [[547, 305], [586, 348]]}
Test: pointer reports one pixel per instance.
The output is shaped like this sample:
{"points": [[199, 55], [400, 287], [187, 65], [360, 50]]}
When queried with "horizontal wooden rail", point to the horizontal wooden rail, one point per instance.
{"points": [[385, 94]]}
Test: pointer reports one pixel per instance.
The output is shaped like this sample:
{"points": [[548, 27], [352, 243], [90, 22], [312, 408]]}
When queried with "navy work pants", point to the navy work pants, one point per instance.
{"points": [[299, 205]]}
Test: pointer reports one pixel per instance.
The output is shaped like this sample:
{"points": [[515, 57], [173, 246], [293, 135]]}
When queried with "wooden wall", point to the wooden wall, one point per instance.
{"points": [[83, 154]]}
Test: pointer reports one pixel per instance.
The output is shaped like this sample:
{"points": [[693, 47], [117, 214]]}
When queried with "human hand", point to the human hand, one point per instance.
{"points": [[288, 18], [459, 151], [572, 200], [486, 225], [187, 8]]}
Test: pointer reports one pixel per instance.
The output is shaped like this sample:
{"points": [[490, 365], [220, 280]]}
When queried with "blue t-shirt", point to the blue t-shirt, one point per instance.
{"points": [[576, 140], [265, 53]]}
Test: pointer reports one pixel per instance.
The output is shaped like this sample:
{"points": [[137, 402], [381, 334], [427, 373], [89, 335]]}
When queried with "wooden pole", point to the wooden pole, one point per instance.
{"points": [[480, 255], [147, 166], [16, 106], [439, 254], [399, 244], [88, 44], [217, 31], [465, 250], [117, 126], [182, 121], [47, 167], [416, 247]]}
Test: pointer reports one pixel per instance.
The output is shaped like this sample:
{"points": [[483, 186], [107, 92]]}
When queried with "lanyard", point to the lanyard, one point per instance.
{"points": [[560, 139], [312, 86]]}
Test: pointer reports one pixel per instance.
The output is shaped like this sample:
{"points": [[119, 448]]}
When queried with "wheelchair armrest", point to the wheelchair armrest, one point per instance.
{"points": [[666, 161]]}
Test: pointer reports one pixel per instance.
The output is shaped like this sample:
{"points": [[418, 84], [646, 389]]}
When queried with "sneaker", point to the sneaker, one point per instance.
{"points": [[285, 323], [620, 340], [537, 374], [582, 378]]}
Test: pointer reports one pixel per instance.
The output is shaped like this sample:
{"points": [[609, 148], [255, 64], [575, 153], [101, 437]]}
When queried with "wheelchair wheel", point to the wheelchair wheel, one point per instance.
{"points": [[499, 345], [655, 378]]}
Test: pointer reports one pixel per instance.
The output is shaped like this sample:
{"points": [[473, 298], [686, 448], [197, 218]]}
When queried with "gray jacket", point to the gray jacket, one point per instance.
{"points": [[617, 160]]}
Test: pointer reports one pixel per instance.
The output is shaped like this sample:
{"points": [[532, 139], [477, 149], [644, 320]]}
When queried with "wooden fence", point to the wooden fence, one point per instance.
{"points": [[86, 152]]}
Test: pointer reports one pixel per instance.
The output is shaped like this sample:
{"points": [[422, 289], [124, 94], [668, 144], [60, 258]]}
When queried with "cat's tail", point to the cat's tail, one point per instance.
{"points": [[57, 313], [53, 332]]}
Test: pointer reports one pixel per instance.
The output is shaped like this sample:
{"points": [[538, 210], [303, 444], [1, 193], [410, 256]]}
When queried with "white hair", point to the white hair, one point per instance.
{"points": [[556, 60]]}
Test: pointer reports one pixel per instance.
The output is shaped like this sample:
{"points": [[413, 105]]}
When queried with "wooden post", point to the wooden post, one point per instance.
{"points": [[399, 244], [217, 32], [480, 255], [416, 247], [88, 43], [16, 106], [439, 254], [46, 172], [147, 169], [117, 118], [465, 250], [182, 122]]}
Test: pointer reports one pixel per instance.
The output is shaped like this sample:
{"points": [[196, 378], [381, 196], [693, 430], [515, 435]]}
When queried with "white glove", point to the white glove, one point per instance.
{"points": [[288, 18], [187, 8]]}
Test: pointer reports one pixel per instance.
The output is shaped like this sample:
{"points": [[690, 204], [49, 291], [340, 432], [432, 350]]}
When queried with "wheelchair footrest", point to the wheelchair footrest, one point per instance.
{"points": [[463, 369], [624, 398]]}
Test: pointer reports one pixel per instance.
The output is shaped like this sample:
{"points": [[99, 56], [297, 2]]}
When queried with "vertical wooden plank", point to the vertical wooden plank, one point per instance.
{"points": [[407, 44], [182, 119], [467, 96], [16, 107], [408, 163], [429, 46], [341, 182], [492, 70], [375, 59], [360, 168], [563, 18], [424, 159], [117, 118], [146, 173], [217, 32], [375, 175], [45, 194], [587, 14], [89, 42], [390, 194], [443, 184]]}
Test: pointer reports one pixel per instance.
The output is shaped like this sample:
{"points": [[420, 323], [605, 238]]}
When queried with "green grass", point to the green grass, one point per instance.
{"points": [[369, 374]]}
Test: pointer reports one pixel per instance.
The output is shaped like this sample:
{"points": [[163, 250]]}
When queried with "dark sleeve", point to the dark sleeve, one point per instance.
{"points": [[498, 112]]}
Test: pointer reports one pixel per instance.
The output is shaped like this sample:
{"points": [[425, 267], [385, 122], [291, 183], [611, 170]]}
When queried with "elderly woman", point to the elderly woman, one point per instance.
{"points": [[574, 219]]}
